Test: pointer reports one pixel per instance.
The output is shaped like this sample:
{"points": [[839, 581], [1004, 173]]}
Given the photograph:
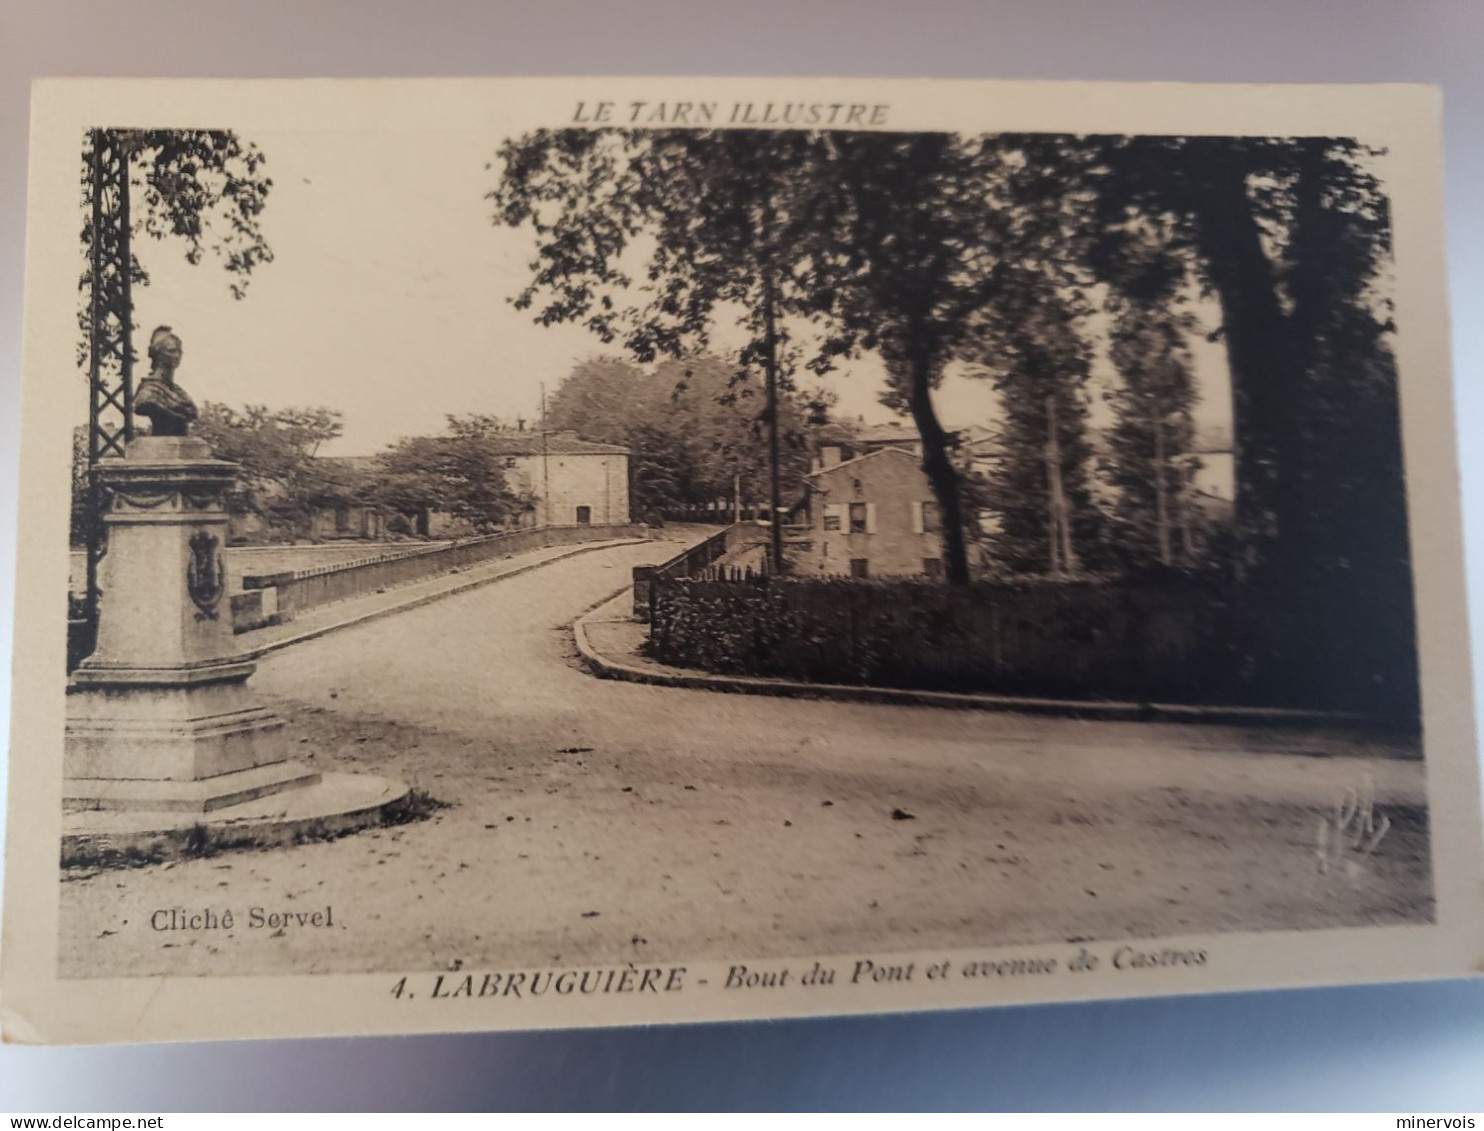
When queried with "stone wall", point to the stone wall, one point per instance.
{"points": [[300, 590]]}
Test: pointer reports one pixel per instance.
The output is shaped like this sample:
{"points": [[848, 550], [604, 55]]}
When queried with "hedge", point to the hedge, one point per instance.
{"points": [[1181, 640]]}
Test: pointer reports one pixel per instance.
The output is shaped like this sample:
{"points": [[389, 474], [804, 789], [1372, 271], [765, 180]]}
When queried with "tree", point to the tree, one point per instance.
{"points": [[1343, 515], [461, 473], [1293, 236], [280, 479], [1145, 462], [731, 215], [203, 188], [78, 527], [932, 228], [1029, 345], [659, 479], [603, 399], [730, 433], [694, 424], [1152, 431]]}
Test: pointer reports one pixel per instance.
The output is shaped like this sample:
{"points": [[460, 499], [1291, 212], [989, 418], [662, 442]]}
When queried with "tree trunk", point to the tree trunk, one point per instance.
{"points": [[1161, 495], [1053, 523], [938, 466], [1266, 364], [775, 490], [1063, 558]]}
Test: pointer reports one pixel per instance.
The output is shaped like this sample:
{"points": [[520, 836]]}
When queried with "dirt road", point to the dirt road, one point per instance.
{"points": [[592, 821]]}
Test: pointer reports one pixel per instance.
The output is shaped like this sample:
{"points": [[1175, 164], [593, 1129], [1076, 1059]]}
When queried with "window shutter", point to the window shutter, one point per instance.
{"points": [[870, 518], [837, 512], [916, 518]]}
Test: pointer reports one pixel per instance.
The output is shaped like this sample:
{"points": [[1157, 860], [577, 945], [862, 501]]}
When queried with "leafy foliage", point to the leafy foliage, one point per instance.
{"points": [[1031, 347], [930, 249], [1170, 639], [80, 511], [461, 473], [723, 215], [691, 424], [280, 480], [205, 189], [890, 242], [1293, 236], [1154, 521], [729, 221]]}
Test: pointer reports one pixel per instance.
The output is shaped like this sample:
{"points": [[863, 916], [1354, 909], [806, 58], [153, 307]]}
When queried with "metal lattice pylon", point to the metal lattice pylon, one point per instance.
{"points": [[110, 324]]}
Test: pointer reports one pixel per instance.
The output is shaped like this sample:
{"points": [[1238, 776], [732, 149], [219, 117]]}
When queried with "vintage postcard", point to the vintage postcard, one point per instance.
{"points": [[579, 552]]}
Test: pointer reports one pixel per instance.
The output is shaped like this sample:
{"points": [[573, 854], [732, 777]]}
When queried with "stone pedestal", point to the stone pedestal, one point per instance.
{"points": [[159, 717]]}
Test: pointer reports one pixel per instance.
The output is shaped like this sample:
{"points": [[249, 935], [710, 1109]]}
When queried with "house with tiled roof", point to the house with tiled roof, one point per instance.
{"points": [[873, 515], [572, 482], [848, 441]]}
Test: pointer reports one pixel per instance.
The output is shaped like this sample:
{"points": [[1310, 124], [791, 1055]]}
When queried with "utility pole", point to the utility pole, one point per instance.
{"points": [[545, 465], [110, 336]]}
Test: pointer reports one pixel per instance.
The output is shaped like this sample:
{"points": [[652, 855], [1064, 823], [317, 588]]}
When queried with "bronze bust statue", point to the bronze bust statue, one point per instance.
{"points": [[159, 399]]}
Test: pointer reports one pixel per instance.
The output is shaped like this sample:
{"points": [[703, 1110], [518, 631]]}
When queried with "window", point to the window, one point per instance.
{"points": [[584, 516], [860, 567], [858, 519], [832, 518], [932, 519], [933, 567]]}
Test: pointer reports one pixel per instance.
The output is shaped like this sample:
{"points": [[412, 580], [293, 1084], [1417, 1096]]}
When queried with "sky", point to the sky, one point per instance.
{"points": [[388, 300]]}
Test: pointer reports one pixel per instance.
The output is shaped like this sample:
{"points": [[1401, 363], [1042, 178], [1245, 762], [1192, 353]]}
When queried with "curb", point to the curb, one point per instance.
{"points": [[199, 835], [606, 668], [429, 598]]}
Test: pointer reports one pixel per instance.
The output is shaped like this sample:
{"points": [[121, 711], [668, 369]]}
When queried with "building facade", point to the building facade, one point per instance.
{"points": [[871, 516], [571, 482], [574, 482]]}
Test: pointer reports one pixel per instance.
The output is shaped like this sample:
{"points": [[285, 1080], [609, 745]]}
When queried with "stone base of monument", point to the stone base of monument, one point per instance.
{"points": [[167, 751], [207, 795], [331, 806]]}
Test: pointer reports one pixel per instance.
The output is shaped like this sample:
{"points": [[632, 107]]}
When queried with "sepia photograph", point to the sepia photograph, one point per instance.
{"points": [[639, 547]]}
